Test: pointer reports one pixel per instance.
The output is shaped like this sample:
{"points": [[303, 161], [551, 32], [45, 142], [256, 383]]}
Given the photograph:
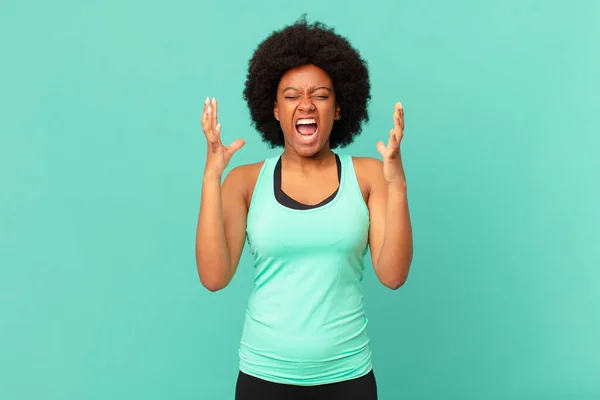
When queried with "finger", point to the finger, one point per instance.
{"points": [[401, 118], [204, 111], [206, 114], [399, 111], [216, 109], [214, 138], [398, 130], [217, 132], [399, 108], [235, 146], [209, 131], [399, 121], [213, 116], [392, 142], [380, 148]]}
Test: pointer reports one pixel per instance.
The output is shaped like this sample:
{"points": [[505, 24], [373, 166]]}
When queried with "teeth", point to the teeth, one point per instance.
{"points": [[306, 121]]}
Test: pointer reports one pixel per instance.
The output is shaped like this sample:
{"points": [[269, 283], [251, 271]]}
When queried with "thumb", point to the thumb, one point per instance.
{"points": [[235, 146], [381, 148]]}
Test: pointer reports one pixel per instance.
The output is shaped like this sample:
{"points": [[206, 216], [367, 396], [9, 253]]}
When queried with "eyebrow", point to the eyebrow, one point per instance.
{"points": [[315, 89]]}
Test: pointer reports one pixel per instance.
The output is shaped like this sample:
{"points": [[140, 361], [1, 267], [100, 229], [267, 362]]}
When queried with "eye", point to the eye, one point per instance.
{"points": [[291, 97], [322, 97]]}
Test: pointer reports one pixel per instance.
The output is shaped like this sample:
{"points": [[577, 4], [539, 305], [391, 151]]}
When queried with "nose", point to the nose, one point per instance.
{"points": [[306, 104]]}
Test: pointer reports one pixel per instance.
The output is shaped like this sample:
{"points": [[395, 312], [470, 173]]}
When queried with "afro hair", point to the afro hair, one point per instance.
{"points": [[301, 44]]}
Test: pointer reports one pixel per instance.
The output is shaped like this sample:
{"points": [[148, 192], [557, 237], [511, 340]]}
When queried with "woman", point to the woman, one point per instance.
{"points": [[308, 216]]}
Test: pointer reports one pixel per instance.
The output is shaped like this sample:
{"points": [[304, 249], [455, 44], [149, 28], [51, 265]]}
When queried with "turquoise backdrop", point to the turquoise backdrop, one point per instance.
{"points": [[101, 162]]}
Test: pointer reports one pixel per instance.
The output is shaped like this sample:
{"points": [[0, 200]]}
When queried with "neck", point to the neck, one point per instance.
{"points": [[315, 161]]}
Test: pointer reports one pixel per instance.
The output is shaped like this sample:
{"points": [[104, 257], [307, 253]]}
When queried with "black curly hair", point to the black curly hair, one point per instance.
{"points": [[300, 44]]}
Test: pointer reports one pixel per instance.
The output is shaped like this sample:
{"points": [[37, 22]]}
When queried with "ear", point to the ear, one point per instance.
{"points": [[276, 111], [338, 112]]}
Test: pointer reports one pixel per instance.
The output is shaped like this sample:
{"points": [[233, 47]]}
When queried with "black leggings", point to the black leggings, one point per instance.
{"points": [[252, 388]]}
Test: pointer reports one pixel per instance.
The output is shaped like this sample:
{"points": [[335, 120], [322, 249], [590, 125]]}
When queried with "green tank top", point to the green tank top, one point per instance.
{"points": [[305, 323]]}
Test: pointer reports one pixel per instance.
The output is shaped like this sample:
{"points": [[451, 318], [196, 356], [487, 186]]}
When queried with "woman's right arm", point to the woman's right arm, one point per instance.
{"points": [[221, 229]]}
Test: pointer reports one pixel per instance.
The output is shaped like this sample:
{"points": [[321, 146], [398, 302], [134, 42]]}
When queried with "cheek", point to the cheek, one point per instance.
{"points": [[286, 121], [330, 109], [285, 113], [328, 114]]}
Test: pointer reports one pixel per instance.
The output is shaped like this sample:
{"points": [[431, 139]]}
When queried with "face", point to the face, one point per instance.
{"points": [[306, 109]]}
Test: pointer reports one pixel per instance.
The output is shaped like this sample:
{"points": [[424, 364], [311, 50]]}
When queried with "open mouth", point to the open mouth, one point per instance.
{"points": [[307, 129]]}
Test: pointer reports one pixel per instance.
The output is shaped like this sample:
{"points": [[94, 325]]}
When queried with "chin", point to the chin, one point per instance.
{"points": [[307, 152], [310, 150], [308, 145]]}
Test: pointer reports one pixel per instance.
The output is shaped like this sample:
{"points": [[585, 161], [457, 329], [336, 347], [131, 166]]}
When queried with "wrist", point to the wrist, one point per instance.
{"points": [[211, 177], [397, 187]]}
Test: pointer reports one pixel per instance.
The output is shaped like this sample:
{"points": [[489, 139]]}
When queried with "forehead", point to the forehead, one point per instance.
{"points": [[306, 76]]}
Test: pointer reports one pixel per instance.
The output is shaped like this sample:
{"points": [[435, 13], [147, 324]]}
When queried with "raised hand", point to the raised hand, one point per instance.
{"points": [[218, 155], [392, 161]]}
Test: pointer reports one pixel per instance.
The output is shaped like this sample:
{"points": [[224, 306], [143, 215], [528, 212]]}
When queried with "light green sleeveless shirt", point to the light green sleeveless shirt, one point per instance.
{"points": [[305, 323]]}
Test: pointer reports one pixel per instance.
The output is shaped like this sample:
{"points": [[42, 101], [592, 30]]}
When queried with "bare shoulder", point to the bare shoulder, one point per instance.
{"points": [[241, 180], [369, 174], [245, 172], [366, 163], [369, 170]]}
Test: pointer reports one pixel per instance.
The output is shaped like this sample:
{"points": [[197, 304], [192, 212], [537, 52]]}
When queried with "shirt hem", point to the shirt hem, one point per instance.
{"points": [[307, 382]]}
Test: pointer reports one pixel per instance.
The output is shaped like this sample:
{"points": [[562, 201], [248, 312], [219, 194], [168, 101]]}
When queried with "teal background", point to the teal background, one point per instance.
{"points": [[101, 162]]}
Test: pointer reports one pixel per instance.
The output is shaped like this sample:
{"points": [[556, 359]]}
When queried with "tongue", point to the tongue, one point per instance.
{"points": [[307, 129]]}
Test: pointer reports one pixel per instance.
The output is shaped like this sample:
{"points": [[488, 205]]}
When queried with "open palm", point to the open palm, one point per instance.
{"points": [[392, 161], [218, 155]]}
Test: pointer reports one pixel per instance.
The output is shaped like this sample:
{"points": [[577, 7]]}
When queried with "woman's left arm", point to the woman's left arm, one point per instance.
{"points": [[390, 234]]}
